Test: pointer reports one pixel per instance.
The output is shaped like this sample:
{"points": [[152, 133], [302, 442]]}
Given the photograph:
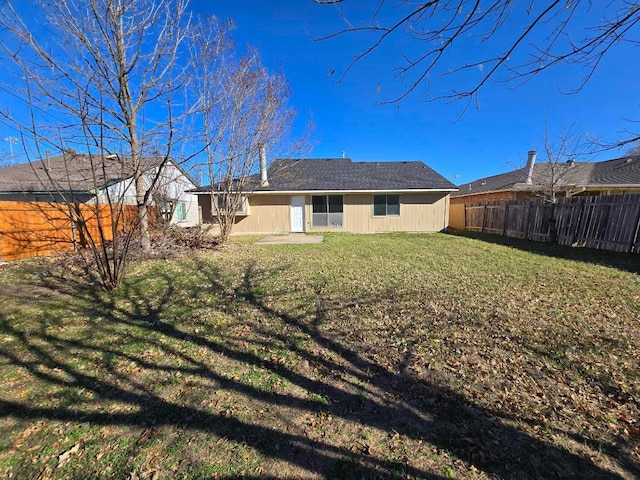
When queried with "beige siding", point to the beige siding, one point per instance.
{"points": [[267, 214], [419, 212]]}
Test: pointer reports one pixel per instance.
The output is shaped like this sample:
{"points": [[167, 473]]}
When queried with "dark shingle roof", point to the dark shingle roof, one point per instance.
{"points": [[341, 174], [67, 173], [619, 171]]}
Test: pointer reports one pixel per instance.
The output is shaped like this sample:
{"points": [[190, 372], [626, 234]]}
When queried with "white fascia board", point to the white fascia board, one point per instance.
{"points": [[480, 193], [613, 185], [334, 192], [346, 192]]}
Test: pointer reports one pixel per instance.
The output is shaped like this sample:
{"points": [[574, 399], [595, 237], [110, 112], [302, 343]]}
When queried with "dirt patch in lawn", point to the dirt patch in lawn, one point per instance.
{"points": [[290, 239]]}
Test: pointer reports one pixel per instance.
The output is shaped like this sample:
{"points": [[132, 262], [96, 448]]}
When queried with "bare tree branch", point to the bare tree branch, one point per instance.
{"points": [[244, 109], [100, 77], [538, 36]]}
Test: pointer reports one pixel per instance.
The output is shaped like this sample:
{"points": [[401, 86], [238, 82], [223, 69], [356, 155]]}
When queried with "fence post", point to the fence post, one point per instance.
{"points": [[484, 215], [576, 230], [74, 240], [635, 238], [504, 223], [526, 226], [465, 217]]}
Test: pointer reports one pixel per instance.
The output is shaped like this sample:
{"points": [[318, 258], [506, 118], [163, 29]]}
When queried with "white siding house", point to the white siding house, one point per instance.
{"points": [[76, 178]]}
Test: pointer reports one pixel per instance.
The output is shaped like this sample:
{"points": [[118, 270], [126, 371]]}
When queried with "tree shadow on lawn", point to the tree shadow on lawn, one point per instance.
{"points": [[426, 413], [629, 262]]}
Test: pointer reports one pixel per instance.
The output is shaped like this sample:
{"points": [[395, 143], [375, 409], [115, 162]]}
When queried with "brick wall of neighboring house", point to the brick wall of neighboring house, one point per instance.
{"points": [[484, 197]]}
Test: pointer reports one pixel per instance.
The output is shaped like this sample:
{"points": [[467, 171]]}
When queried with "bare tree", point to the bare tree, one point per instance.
{"points": [[102, 77], [504, 41], [107, 84], [560, 154], [244, 111], [634, 149]]}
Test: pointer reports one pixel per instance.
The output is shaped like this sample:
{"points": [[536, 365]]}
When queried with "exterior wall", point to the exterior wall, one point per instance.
{"points": [[484, 197], [173, 185], [268, 214], [419, 212]]}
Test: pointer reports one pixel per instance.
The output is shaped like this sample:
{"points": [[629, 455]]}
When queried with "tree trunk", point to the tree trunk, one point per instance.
{"points": [[143, 221], [553, 228]]}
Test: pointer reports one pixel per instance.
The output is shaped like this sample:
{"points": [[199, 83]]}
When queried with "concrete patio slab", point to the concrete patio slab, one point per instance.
{"points": [[291, 238]]}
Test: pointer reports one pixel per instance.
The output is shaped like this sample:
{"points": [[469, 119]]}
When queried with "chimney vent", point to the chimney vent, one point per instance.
{"points": [[531, 160], [263, 166]]}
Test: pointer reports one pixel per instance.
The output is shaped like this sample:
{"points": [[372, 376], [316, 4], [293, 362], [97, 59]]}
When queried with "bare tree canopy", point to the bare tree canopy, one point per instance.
{"points": [[97, 76], [634, 149], [104, 78], [244, 111], [449, 50]]}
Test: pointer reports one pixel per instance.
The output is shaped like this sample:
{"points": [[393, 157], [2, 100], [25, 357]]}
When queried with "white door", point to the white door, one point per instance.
{"points": [[297, 214]]}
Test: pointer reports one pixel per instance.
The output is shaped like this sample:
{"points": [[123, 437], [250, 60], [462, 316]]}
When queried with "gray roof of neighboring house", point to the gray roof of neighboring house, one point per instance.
{"points": [[77, 173], [342, 174], [624, 171]]}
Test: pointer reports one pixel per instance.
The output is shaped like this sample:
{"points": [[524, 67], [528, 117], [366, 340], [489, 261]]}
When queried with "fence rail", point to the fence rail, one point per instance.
{"points": [[29, 229], [609, 223]]}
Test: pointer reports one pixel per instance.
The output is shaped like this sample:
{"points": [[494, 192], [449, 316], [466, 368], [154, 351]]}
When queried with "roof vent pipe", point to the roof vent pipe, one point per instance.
{"points": [[263, 165], [531, 160]]}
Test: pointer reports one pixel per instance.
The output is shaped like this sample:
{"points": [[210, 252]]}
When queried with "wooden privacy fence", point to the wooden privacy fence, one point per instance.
{"points": [[609, 223], [456, 216], [29, 229]]}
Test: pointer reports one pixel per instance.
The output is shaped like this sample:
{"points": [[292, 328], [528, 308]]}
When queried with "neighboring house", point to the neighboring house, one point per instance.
{"points": [[82, 178], [611, 177], [336, 194]]}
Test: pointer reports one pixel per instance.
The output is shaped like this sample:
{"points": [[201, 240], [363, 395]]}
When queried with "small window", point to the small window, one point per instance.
{"points": [[227, 202], [181, 212], [327, 210], [386, 205]]}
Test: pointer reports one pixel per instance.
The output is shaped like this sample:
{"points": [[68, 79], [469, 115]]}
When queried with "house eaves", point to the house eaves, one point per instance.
{"points": [[328, 192], [46, 192], [474, 194], [599, 186], [342, 192]]}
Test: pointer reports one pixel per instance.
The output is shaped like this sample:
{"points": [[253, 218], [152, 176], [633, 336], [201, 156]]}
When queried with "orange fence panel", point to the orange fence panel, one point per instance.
{"points": [[29, 229]]}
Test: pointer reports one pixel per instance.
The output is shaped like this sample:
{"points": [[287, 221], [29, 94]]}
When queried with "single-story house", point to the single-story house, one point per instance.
{"points": [[611, 177], [82, 178], [337, 194]]}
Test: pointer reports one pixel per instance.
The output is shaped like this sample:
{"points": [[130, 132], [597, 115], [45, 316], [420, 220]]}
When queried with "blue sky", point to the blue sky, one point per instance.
{"points": [[348, 116], [484, 141]]}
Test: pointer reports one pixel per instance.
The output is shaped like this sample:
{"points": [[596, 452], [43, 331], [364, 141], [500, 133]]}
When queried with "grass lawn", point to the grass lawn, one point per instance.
{"points": [[371, 356]]}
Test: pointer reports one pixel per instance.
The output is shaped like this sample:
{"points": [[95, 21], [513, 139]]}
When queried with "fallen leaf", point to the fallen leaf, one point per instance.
{"points": [[63, 458]]}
